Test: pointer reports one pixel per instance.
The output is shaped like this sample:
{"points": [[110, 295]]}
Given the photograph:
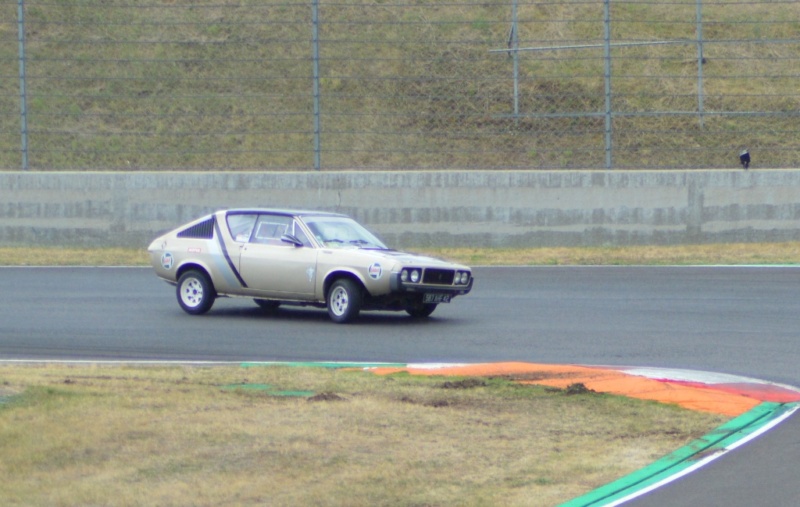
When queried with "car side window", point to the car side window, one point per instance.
{"points": [[241, 226], [270, 228]]}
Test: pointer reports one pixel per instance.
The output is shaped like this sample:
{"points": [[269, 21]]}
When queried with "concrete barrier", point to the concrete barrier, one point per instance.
{"points": [[417, 208]]}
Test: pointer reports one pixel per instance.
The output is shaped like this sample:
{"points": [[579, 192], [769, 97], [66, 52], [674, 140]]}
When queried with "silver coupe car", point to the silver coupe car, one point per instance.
{"points": [[286, 257]]}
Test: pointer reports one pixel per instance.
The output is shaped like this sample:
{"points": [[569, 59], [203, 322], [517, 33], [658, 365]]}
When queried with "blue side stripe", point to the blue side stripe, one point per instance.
{"points": [[225, 253]]}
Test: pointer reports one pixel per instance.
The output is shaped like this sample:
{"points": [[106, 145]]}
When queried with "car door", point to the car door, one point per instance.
{"points": [[275, 268]]}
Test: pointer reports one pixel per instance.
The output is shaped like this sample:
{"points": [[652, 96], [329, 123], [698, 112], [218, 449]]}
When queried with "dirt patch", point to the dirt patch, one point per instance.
{"points": [[326, 397], [578, 388], [468, 383]]}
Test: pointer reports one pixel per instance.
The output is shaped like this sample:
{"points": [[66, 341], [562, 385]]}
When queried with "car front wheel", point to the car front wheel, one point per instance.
{"points": [[344, 300], [195, 292], [421, 310]]}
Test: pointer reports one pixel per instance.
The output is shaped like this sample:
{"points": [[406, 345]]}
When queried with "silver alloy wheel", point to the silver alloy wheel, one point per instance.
{"points": [[195, 292], [340, 300], [344, 300], [192, 292]]}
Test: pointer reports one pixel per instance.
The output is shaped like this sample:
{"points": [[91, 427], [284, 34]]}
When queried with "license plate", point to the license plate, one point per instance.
{"points": [[436, 298]]}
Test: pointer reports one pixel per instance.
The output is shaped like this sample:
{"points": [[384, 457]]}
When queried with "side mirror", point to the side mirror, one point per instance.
{"points": [[288, 238]]}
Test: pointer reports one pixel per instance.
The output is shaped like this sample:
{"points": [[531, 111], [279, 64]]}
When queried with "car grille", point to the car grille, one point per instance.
{"points": [[438, 276]]}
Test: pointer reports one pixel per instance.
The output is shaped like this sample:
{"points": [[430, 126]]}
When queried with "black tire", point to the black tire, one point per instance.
{"points": [[344, 300], [421, 311], [195, 292], [267, 304]]}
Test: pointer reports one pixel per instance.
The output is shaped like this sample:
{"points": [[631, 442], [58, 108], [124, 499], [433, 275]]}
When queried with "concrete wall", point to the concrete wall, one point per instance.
{"points": [[408, 209]]}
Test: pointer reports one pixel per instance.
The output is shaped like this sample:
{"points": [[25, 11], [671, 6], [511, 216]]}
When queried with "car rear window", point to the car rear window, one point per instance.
{"points": [[241, 226]]}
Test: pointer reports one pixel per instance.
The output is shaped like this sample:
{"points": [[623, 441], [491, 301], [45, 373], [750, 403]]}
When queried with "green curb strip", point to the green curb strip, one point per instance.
{"points": [[712, 444], [269, 390]]}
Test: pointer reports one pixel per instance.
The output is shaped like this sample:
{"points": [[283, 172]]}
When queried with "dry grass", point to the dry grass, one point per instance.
{"points": [[60, 256], [94, 435], [733, 254], [727, 254]]}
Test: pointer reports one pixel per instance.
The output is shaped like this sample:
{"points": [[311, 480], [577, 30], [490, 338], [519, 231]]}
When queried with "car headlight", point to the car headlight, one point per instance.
{"points": [[410, 275], [463, 279]]}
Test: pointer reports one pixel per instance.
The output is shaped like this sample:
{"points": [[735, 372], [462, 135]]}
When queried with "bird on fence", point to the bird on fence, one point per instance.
{"points": [[744, 158]]}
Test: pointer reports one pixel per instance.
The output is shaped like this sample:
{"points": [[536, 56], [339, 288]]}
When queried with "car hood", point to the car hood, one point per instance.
{"points": [[410, 259]]}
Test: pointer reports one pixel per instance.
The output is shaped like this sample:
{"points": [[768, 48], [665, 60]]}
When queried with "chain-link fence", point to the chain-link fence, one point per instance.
{"points": [[409, 84]]}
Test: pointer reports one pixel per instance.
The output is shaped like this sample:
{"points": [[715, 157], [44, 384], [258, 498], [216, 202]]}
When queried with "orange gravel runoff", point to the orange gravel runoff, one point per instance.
{"points": [[731, 399]]}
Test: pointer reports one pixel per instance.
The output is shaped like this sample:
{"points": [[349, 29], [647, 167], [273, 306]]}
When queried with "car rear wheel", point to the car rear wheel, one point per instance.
{"points": [[344, 300], [195, 292], [421, 311]]}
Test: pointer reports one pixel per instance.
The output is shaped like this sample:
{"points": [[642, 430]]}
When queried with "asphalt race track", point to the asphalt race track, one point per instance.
{"points": [[738, 320]]}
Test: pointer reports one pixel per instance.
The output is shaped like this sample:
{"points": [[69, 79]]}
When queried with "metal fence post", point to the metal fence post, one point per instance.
{"points": [[22, 93], [513, 43], [607, 76], [700, 61], [315, 85]]}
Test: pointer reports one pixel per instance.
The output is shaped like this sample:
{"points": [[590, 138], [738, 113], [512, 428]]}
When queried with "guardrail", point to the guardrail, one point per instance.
{"points": [[417, 208]]}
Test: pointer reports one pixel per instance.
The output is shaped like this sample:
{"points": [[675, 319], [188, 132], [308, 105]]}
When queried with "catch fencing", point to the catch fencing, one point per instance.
{"points": [[398, 84]]}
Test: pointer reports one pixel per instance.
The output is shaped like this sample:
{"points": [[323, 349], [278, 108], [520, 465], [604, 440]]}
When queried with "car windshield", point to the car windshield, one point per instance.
{"points": [[342, 232]]}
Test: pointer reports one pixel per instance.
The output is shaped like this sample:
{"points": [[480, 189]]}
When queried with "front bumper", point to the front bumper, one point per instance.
{"points": [[397, 286]]}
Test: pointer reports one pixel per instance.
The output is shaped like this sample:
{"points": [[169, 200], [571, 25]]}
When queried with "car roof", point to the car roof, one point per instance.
{"points": [[284, 212]]}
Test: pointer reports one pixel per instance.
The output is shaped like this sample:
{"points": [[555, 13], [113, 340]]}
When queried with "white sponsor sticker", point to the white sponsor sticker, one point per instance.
{"points": [[167, 260], [375, 271]]}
